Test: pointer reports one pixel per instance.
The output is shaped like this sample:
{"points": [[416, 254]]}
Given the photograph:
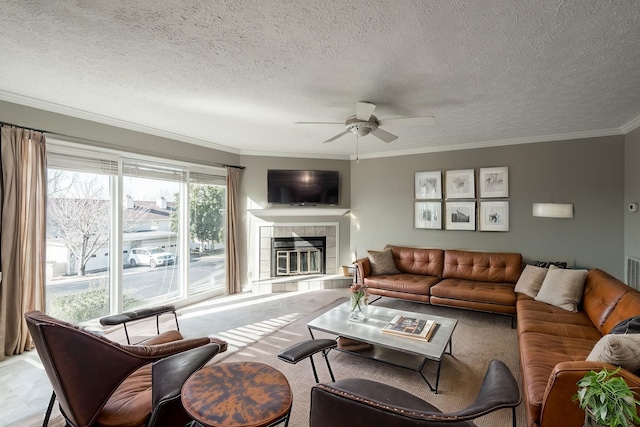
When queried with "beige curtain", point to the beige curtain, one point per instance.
{"points": [[22, 233], [232, 262]]}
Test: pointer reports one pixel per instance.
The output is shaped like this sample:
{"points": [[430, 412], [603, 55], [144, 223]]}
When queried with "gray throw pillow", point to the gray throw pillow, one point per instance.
{"points": [[382, 262], [562, 288], [531, 280], [619, 350]]}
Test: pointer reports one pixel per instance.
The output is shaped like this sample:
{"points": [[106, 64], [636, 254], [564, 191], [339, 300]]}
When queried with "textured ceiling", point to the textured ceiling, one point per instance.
{"points": [[236, 75]]}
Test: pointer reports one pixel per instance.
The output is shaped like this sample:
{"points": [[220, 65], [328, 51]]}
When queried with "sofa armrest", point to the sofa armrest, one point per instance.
{"points": [[557, 405], [364, 269]]}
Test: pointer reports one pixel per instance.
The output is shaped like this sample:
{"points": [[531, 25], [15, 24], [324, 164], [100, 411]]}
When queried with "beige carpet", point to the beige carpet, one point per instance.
{"points": [[478, 338]]}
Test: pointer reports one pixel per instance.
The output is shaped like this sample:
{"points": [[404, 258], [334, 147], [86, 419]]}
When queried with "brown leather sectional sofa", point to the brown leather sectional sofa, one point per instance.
{"points": [[472, 280], [553, 342]]}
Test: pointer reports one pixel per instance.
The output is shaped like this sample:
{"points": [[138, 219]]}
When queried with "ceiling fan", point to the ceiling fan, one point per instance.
{"points": [[365, 123]]}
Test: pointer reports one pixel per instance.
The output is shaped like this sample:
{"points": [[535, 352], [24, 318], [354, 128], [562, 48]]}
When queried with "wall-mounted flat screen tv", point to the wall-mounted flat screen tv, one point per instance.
{"points": [[300, 187]]}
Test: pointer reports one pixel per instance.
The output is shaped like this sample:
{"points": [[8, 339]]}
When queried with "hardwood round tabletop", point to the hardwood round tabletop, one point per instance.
{"points": [[237, 394]]}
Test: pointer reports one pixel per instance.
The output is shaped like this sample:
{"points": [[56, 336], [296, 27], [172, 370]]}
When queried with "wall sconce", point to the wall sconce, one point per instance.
{"points": [[553, 210]]}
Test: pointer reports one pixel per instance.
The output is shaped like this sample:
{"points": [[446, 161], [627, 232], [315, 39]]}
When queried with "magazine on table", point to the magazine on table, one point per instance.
{"points": [[410, 327]]}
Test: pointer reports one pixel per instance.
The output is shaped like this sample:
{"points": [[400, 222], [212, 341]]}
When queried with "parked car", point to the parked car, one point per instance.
{"points": [[150, 256]]}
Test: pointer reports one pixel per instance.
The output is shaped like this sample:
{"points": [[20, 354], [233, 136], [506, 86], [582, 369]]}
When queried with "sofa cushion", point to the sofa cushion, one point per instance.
{"points": [[547, 264], [627, 326], [427, 262], [382, 262], [562, 288], [619, 350], [601, 296], [470, 290], [627, 306], [407, 283], [531, 280], [540, 317], [482, 266], [539, 354]]}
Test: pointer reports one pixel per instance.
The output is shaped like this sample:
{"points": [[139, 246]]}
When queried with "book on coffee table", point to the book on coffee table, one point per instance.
{"points": [[410, 327]]}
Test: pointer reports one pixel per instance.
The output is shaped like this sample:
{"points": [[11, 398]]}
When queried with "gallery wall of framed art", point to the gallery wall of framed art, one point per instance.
{"points": [[463, 204]]}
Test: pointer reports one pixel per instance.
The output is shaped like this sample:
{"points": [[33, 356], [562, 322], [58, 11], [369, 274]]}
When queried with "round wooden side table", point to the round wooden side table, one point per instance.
{"points": [[238, 394]]}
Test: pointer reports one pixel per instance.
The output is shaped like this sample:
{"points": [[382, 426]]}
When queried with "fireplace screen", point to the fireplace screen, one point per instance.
{"points": [[297, 256]]}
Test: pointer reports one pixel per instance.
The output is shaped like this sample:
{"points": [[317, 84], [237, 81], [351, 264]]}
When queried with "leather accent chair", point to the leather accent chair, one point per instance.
{"points": [[99, 382], [357, 401]]}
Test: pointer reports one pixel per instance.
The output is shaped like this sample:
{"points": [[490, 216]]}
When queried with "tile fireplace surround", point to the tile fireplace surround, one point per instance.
{"points": [[333, 277]]}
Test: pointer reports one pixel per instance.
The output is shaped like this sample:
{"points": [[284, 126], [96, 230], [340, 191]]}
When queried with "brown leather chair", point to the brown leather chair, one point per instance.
{"points": [[357, 401], [99, 382]]}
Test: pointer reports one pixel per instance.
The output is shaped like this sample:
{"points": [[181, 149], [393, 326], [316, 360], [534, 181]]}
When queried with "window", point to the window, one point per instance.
{"points": [[101, 204], [78, 226], [150, 224], [207, 208]]}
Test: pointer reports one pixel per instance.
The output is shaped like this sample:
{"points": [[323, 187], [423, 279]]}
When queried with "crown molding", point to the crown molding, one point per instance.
{"points": [[631, 126], [82, 114], [495, 143], [296, 155], [105, 120]]}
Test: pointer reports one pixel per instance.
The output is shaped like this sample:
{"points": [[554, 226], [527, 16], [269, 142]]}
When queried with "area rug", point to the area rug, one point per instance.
{"points": [[477, 339]]}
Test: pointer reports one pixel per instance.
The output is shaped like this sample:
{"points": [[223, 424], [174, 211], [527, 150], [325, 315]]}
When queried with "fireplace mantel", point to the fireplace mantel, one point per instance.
{"points": [[298, 211]]}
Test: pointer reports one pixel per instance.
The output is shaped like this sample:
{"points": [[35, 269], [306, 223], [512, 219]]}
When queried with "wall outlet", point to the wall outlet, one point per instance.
{"points": [[633, 207]]}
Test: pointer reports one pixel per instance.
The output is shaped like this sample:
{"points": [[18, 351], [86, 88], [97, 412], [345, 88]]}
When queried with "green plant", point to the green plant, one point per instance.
{"points": [[607, 398]]}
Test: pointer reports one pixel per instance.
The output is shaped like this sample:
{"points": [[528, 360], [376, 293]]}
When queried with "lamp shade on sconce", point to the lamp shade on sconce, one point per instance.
{"points": [[553, 210]]}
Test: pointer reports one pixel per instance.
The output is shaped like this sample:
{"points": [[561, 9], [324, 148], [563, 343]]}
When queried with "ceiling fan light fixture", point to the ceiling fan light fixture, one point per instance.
{"points": [[361, 128]]}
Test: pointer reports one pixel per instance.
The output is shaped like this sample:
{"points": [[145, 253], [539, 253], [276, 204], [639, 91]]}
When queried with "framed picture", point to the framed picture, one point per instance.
{"points": [[428, 215], [461, 215], [428, 185], [461, 184], [494, 216], [494, 182]]}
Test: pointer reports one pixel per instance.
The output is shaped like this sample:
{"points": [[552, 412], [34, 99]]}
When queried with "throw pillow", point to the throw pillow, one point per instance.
{"points": [[619, 350], [546, 264], [382, 262], [562, 288], [627, 326], [531, 280]]}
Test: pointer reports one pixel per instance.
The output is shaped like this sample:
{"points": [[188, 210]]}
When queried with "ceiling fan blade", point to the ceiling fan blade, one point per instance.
{"points": [[364, 110], [337, 136], [408, 121], [318, 123], [384, 135]]}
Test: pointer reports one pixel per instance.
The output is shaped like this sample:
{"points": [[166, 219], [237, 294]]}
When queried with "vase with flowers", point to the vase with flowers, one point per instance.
{"points": [[358, 303]]}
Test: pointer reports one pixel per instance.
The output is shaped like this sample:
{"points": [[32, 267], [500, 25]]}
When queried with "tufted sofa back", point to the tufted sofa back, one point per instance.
{"points": [[494, 267], [426, 262]]}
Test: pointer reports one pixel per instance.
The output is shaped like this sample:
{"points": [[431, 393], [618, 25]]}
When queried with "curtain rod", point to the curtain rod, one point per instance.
{"points": [[224, 165], [22, 127]]}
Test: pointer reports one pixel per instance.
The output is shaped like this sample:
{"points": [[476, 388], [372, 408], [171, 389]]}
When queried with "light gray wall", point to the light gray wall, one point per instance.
{"points": [[253, 192], [632, 194], [588, 173], [599, 175], [105, 136]]}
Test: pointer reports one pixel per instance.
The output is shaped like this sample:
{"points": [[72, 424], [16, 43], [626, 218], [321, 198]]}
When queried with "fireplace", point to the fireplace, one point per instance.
{"points": [[313, 244], [296, 256]]}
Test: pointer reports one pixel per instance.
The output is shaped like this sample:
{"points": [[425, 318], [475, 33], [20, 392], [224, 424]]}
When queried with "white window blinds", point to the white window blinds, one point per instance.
{"points": [[205, 178], [144, 169], [79, 163]]}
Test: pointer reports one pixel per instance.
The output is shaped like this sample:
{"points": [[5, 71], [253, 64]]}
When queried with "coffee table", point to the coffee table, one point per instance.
{"points": [[398, 351]]}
